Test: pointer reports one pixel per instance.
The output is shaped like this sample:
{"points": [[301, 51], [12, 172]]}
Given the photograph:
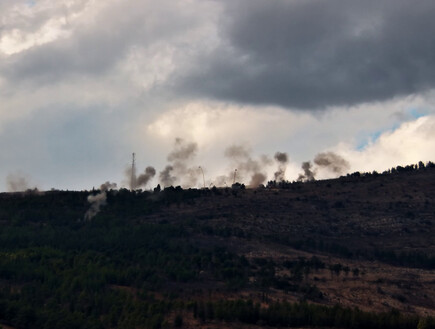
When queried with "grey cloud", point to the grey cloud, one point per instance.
{"points": [[96, 48], [318, 53]]}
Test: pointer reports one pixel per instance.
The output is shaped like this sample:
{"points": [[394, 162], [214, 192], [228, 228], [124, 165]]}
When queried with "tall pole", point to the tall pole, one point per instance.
{"points": [[133, 172], [235, 173], [203, 177]]}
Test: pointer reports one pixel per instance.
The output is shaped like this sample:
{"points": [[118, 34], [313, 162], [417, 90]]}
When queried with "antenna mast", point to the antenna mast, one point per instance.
{"points": [[203, 177], [133, 172]]}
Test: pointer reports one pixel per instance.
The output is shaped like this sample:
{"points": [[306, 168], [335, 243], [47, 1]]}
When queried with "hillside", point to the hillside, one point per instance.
{"points": [[354, 252]]}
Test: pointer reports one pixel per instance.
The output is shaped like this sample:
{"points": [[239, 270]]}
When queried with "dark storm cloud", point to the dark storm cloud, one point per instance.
{"points": [[318, 53], [59, 60]]}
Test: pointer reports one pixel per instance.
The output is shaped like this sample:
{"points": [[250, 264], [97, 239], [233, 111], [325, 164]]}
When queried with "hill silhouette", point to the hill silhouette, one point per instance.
{"points": [[352, 252]]}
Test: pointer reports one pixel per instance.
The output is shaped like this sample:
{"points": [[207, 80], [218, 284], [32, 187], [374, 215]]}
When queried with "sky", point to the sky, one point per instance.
{"points": [[85, 83]]}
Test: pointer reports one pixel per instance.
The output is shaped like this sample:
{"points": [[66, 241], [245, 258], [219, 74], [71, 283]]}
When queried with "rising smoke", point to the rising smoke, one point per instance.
{"points": [[257, 179], [17, 183], [308, 174], [327, 160], [98, 200], [332, 162], [282, 160], [179, 169], [165, 176], [246, 165], [144, 178], [237, 152], [182, 151]]}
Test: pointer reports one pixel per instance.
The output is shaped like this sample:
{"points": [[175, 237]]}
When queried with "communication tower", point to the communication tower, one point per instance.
{"points": [[133, 172]]}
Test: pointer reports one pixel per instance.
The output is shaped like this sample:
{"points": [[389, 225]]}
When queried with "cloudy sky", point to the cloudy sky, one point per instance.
{"points": [[84, 83]]}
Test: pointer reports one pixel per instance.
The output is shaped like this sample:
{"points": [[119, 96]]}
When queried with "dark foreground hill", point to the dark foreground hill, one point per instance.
{"points": [[355, 252]]}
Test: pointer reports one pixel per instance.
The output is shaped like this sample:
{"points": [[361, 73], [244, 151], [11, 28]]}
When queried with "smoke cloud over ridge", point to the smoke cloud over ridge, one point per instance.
{"points": [[246, 165], [332, 161], [144, 178], [308, 174], [179, 170], [17, 183], [282, 160], [325, 160], [98, 200], [165, 176]]}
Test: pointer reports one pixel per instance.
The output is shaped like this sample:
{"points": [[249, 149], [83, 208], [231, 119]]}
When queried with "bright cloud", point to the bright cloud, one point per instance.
{"points": [[410, 143], [27, 25]]}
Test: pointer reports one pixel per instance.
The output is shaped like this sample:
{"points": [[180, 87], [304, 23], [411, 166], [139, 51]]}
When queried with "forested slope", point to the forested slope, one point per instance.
{"points": [[355, 252]]}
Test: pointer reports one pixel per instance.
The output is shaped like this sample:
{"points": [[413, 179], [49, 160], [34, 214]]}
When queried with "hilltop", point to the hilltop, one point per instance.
{"points": [[352, 252]]}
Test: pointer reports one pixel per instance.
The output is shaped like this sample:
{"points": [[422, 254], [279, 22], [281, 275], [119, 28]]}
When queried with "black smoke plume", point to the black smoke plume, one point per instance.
{"points": [[282, 160], [332, 162], [179, 169], [143, 179], [328, 160], [308, 174], [257, 179], [165, 176]]}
